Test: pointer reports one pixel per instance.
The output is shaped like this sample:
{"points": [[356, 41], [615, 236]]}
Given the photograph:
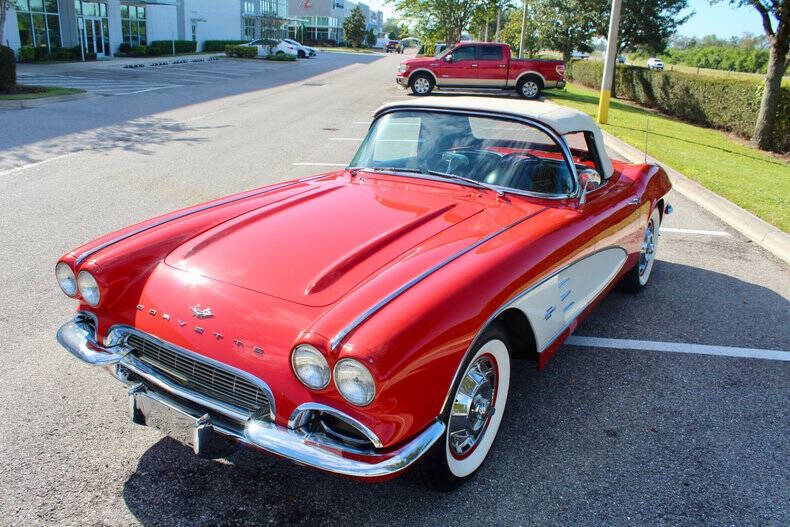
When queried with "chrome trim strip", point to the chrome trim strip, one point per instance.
{"points": [[295, 421], [78, 339], [408, 285], [184, 214], [517, 297], [396, 107]]}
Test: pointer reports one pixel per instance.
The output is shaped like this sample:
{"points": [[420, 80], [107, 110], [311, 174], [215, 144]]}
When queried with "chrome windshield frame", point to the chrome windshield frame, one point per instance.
{"points": [[566, 153]]}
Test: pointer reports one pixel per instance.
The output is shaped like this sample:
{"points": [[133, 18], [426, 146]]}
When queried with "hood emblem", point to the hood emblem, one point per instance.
{"points": [[199, 312]]}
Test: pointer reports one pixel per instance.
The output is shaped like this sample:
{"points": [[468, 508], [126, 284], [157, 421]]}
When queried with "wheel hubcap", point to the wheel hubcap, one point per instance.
{"points": [[648, 251], [530, 89], [473, 406], [421, 85]]}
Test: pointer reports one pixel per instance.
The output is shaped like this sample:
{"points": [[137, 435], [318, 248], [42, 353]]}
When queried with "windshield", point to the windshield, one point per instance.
{"points": [[492, 151]]}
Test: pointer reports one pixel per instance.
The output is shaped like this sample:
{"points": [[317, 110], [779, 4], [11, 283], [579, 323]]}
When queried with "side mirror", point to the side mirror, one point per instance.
{"points": [[448, 58], [589, 180]]}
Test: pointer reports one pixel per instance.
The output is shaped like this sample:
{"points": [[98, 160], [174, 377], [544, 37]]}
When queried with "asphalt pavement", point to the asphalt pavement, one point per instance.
{"points": [[603, 436]]}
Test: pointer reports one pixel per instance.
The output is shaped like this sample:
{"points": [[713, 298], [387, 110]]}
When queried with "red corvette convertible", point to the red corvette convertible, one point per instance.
{"points": [[364, 321]]}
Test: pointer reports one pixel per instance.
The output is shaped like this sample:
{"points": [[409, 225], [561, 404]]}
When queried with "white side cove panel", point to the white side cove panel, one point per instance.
{"points": [[555, 302]]}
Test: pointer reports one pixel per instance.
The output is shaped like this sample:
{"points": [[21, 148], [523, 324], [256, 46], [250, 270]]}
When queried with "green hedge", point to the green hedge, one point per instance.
{"points": [[165, 47], [245, 52], [219, 45], [7, 68], [726, 104]]}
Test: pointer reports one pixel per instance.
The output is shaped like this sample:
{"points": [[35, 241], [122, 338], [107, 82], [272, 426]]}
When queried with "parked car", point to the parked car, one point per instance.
{"points": [[655, 64], [467, 233], [439, 48], [581, 55], [393, 46], [621, 59], [271, 46], [481, 65], [302, 51]]}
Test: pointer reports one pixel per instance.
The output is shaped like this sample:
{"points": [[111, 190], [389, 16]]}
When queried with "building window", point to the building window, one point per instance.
{"points": [[249, 28], [96, 30], [39, 23], [133, 25], [249, 7]]}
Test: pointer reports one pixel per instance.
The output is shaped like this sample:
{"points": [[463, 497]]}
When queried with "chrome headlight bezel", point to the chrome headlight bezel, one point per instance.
{"points": [[89, 288], [402, 68], [300, 356], [352, 371], [64, 274]]}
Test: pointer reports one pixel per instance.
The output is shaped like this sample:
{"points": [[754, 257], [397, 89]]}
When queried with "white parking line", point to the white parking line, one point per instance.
{"points": [[345, 139], [317, 165], [678, 347], [695, 231], [37, 163]]}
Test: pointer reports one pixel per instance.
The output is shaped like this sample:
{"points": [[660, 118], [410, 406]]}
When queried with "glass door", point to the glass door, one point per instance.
{"points": [[95, 41]]}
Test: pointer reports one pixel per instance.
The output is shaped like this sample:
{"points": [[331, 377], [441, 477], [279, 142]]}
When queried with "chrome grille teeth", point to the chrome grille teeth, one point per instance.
{"points": [[200, 376]]}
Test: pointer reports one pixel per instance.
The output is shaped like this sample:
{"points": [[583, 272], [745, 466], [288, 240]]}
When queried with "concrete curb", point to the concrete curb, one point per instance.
{"points": [[43, 101], [761, 232]]}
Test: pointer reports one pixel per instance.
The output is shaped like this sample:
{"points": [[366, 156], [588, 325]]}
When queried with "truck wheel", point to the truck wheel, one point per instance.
{"points": [[529, 87], [421, 84], [473, 418]]}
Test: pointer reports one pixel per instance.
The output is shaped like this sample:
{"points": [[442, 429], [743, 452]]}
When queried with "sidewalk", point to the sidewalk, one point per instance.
{"points": [[30, 68], [761, 232]]}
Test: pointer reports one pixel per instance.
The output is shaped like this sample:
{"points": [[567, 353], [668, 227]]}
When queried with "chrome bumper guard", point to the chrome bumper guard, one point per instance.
{"points": [[201, 422]]}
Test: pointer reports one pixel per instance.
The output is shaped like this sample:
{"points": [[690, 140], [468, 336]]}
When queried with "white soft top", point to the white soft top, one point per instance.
{"points": [[562, 119]]}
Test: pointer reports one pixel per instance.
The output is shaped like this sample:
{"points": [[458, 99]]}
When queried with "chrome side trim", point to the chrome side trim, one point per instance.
{"points": [[515, 299], [335, 341], [184, 214], [303, 410]]}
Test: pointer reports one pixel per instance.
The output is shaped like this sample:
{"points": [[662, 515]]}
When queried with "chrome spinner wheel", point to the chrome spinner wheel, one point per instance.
{"points": [[647, 255], [477, 408]]}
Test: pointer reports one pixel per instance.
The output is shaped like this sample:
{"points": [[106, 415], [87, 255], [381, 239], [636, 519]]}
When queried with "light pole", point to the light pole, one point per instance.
{"points": [[523, 28], [608, 65]]}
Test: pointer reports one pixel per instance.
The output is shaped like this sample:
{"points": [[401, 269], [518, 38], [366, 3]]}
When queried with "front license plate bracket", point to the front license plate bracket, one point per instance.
{"points": [[170, 418]]}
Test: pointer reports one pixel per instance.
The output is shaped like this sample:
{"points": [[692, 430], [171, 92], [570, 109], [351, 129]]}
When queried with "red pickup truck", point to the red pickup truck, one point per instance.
{"points": [[481, 65]]}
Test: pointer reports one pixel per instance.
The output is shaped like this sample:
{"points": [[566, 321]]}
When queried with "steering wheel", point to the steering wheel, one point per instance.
{"points": [[455, 162]]}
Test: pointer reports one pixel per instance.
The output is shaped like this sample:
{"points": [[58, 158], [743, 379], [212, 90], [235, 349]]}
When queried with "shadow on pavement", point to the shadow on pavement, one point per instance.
{"points": [[599, 436], [101, 113]]}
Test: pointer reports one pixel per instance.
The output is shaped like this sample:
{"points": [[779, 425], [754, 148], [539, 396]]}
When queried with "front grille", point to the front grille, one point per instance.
{"points": [[200, 376]]}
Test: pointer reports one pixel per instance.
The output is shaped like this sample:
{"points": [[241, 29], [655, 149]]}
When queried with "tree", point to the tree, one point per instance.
{"points": [[644, 24], [447, 18], [565, 25], [511, 33], [354, 27], [370, 38], [394, 29], [775, 15]]}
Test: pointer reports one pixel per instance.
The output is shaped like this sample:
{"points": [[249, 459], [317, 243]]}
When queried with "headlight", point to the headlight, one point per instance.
{"points": [[310, 367], [354, 382], [66, 279], [89, 288], [402, 68]]}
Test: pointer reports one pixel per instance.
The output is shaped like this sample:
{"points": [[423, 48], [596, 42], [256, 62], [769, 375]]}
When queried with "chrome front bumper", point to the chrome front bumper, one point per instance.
{"points": [[402, 81], [203, 420]]}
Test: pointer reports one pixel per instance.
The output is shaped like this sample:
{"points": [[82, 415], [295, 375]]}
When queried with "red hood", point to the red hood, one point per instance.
{"points": [[422, 61], [315, 246]]}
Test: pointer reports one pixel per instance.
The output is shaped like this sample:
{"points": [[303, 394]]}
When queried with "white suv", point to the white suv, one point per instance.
{"points": [[655, 64]]}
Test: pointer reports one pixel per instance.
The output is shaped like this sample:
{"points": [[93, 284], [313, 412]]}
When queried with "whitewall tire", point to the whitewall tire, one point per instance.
{"points": [[476, 408], [637, 278]]}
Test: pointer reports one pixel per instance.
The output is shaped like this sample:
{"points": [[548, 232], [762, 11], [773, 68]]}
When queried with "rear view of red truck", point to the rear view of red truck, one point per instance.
{"points": [[481, 66]]}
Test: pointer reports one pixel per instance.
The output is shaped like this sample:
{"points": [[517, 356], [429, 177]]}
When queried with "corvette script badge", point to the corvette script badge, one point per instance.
{"points": [[199, 312]]}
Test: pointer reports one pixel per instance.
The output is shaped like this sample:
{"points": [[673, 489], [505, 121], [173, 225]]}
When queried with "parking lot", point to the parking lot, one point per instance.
{"points": [[642, 426]]}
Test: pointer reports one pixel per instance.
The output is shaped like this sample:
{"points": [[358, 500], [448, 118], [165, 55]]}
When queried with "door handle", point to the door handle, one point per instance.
{"points": [[501, 65], [634, 201], [474, 65]]}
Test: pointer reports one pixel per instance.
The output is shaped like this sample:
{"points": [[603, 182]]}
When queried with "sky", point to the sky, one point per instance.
{"points": [[720, 19]]}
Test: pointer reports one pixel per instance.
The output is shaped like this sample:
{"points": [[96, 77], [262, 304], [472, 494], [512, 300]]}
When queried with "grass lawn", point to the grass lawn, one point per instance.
{"points": [[45, 91], [758, 182]]}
